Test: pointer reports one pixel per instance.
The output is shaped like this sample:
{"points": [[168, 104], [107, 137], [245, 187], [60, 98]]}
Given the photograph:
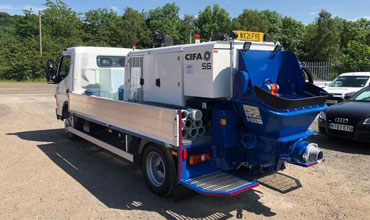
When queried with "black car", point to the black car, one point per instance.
{"points": [[349, 119]]}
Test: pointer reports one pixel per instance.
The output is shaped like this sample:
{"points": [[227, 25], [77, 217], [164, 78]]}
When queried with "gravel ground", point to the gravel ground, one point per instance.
{"points": [[43, 175]]}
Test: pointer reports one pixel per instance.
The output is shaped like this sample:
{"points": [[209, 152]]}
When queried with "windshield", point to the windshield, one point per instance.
{"points": [[349, 81], [362, 96], [110, 61]]}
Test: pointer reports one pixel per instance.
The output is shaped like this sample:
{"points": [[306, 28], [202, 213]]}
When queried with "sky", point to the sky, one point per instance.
{"points": [[305, 11]]}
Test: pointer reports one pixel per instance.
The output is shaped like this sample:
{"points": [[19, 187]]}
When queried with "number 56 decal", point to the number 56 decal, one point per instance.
{"points": [[206, 66]]}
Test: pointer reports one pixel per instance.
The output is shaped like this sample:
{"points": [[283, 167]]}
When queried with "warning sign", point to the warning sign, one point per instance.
{"points": [[252, 113]]}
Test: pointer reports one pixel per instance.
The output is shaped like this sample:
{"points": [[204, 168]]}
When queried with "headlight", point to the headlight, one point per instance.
{"points": [[367, 121], [323, 116]]}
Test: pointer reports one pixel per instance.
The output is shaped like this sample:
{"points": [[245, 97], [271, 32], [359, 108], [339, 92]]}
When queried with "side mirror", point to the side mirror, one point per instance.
{"points": [[348, 96], [50, 72]]}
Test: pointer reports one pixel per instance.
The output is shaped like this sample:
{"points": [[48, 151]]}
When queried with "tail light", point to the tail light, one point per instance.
{"points": [[199, 158]]}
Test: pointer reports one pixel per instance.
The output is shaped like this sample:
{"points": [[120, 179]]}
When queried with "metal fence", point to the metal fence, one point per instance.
{"points": [[321, 70]]}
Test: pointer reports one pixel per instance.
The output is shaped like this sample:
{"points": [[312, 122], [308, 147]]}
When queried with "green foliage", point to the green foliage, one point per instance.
{"points": [[132, 28], [101, 28], [326, 39], [291, 34], [19, 64], [275, 23], [187, 24], [356, 57], [213, 21], [322, 40], [250, 20], [165, 20]]}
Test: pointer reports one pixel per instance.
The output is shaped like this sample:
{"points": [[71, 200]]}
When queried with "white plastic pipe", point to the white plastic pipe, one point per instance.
{"points": [[198, 123], [193, 132], [195, 114], [188, 123], [185, 133], [201, 131], [184, 115]]}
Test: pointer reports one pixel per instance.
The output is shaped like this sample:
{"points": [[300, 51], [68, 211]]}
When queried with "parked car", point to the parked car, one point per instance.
{"points": [[349, 119], [345, 85]]}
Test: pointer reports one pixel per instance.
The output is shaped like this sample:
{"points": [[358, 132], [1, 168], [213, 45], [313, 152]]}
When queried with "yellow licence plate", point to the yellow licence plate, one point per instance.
{"points": [[249, 36]]}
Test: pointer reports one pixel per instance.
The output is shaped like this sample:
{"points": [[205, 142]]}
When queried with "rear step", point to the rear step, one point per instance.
{"points": [[219, 184]]}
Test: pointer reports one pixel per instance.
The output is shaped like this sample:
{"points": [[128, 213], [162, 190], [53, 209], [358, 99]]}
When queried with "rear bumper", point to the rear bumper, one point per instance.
{"points": [[356, 135]]}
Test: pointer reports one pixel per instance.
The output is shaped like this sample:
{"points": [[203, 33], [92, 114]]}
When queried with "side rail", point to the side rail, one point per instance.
{"points": [[152, 122]]}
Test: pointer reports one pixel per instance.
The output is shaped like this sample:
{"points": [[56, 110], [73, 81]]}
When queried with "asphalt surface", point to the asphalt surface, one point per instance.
{"points": [[44, 175]]}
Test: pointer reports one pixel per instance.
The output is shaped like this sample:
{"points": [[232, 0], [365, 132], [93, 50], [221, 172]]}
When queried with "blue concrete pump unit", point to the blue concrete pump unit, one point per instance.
{"points": [[266, 122], [274, 127]]}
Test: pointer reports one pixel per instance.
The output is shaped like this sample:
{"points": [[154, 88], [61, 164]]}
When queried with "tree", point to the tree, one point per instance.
{"points": [[27, 26], [250, 20], [291, 35], [356, 57], [322, 39], [351, 31], [274, 23], [213, 21], [132, 28], [7, 23], [100, 27], [165, 20], [63, 24], [187, 24]]}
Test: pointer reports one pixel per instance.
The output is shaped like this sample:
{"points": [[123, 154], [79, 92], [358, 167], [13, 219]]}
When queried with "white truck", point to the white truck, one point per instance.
{"points": [[185, 117]]}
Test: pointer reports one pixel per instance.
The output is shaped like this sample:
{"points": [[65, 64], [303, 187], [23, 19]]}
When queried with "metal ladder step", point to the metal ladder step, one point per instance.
{"points": [[219, 183]]}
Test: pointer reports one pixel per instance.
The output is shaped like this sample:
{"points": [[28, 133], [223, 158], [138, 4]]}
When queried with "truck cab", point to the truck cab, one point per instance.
{"points": [[98, 70]]}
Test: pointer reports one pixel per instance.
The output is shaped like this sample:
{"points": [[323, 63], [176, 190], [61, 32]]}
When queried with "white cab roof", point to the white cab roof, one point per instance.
{"points": [[112, 51]]}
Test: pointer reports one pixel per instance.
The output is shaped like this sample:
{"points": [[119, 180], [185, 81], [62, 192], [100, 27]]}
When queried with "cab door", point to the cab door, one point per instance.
{"points": [[65, 78]]}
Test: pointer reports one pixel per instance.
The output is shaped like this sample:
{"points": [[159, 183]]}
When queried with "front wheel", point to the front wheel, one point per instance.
{"points": [[158, 170]]}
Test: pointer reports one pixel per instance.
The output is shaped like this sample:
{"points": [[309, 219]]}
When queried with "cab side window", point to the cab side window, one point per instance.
{"points": [[64, 67]]}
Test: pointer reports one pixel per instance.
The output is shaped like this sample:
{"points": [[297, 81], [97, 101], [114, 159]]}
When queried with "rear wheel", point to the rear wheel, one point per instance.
{"points": [[158, 170]]}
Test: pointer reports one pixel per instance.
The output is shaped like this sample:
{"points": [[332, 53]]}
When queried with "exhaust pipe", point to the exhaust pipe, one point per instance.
{"points": [[312, 153]]}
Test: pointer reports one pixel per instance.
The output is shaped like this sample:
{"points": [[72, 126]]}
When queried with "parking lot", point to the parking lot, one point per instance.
{"points": [[44, 175]]}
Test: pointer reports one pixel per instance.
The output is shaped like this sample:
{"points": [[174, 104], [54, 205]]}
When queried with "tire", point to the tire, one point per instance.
{"points": [[158, 170]]}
